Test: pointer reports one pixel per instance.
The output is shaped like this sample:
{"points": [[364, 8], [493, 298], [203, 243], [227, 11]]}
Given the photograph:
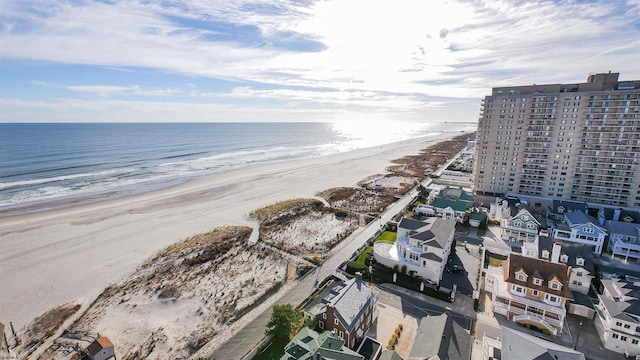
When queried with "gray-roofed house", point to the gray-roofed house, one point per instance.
{"points": [[530, 291], [348, 309], [520, 228], [440, 337], [516, 345], [422, 246], [310, 345], [581, 228], [624, 239], [618, 316], [559, 207]]}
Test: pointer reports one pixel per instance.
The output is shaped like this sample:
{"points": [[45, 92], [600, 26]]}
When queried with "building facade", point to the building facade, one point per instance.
{"points": [[422, 248], [618, 316], [570, 141], [532, 292], [581, 228], [521, 228], [348, 310]]}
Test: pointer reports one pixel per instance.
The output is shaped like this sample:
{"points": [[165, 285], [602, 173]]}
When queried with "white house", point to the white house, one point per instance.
{"points": [[618, 316], [624, 239], [422, 247], [520, 228], [581, 228]]}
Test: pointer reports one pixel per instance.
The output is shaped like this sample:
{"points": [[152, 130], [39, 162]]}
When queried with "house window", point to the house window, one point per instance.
{"points": [[534, 293], [321, 324], [623, 338], [545, 254], [521, 277], [537, 281], [554, 286], [341, 334], [615, 336], [579, 273], [580, 261], [335, 321], [618, 323], [324, 316], [627, 326], [518, 289], [564, 258], [634, 341], [551, 298]]}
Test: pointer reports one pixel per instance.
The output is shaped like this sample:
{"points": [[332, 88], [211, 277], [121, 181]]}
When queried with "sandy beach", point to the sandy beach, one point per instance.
{"points": [[72, 254]]}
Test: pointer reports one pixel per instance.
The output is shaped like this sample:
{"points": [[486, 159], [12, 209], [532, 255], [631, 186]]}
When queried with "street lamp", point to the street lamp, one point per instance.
{"points": [[578, 336]]}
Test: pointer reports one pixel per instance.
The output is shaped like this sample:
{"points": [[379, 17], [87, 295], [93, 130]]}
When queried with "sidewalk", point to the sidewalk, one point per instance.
{"points": [[249, 336]]}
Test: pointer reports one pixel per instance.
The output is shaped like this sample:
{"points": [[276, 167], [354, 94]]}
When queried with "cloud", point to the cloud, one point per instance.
{"points": [[350, 55]]}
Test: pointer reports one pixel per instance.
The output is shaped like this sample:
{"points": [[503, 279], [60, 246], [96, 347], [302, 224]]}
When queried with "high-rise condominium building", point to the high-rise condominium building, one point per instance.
{"points": [[571, 141]]}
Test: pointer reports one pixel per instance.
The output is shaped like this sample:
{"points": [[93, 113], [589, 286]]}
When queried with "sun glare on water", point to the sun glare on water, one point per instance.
{"points": [[377, 132]]}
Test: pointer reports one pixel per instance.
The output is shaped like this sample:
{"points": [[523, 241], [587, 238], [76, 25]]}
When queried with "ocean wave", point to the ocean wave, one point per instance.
{"points": [[40, 181]]}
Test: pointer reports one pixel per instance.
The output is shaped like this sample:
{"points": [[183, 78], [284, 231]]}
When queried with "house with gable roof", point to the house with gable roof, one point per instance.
{"points": [[310, 345], [441, 337], [521, 228], [530, 291], [624, 239], [101, 349], [618, 316], [577, 256], [559, 207], [517, 345], [581, 228], [451, 209], [422, 246], [348, 309]]}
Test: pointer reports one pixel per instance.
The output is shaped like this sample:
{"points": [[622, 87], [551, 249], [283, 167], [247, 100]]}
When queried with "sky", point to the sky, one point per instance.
{"points": [[303, 60]]}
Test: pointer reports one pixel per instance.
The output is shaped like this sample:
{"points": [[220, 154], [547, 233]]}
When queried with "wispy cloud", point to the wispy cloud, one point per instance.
{"points": [[411, 57]]}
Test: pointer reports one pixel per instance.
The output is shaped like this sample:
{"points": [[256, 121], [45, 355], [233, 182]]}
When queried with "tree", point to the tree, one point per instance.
{"points": [[284, 322]]}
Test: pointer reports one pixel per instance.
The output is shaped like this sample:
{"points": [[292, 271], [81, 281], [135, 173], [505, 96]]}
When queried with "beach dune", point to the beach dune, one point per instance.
{"points": [[71, 254]]}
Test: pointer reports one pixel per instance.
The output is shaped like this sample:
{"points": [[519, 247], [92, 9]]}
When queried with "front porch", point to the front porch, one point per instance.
{"points": [[524, 311]]}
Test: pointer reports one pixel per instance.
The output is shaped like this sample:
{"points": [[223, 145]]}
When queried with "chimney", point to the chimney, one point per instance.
{"points": [[555, 253]]}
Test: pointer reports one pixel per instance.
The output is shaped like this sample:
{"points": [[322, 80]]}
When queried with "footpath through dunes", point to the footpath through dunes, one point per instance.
{"points": [[148, 310]]}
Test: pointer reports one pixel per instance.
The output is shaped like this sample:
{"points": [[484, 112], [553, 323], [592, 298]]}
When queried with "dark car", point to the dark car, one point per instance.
{"points": [[455, 268]]}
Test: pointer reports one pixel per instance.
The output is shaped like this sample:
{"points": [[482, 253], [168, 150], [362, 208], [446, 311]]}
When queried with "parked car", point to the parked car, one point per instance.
{"points": [[455, 268]]}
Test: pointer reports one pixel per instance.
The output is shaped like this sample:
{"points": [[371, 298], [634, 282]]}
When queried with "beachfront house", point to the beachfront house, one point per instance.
{"points": [[348, 309], [422, 248], [311, 345], [101, 349], [531, 291], [581, 228], [618, 316]]}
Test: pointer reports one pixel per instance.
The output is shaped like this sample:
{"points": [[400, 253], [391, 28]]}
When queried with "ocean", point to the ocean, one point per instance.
{"points": [[44, 165]]}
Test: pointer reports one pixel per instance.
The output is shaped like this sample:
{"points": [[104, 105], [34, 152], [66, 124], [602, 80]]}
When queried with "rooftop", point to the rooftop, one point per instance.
{"points": [[546, 270], [517, 345]]}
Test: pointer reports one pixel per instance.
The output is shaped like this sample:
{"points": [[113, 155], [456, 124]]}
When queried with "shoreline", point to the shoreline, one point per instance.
{"points": [[55, 256]]}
